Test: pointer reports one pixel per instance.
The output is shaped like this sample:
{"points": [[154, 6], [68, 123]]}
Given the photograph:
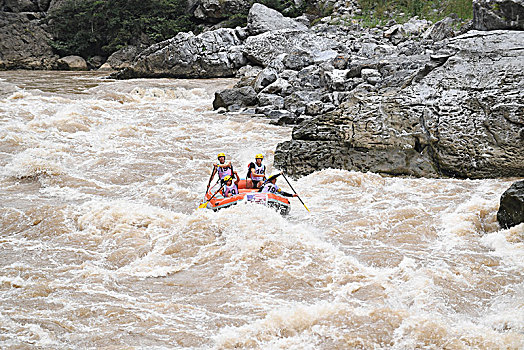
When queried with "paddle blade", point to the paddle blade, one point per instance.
{"points": [[203, 205]]}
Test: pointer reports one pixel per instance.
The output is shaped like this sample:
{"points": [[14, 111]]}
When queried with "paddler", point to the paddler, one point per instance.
{"points": [[230, 189], [256, 173], [271, 187], [223, 169]]}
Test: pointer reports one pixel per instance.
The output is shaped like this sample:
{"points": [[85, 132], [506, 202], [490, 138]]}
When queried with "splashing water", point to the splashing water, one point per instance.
{"points": [[102, 245]]}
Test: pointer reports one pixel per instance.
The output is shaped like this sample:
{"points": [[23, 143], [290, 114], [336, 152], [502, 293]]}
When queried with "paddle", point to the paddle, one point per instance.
{"points": [[295, 192], [203, 205], [214, 185], [212, 176]]}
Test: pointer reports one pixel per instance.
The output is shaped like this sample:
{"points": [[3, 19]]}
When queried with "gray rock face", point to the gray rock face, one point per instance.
{"points": [[461, 114], [511, 210], [262, 19], [264, 48], [21, 6], [498, 14], [24, 44], [210, 54], [477, 121]]}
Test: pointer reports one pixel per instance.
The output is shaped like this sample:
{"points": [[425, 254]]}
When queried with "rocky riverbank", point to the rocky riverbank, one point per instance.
{"points": [[415, 99]]}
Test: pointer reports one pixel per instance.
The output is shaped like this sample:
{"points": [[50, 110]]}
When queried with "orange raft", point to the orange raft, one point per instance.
{"points": [[251, 195]]}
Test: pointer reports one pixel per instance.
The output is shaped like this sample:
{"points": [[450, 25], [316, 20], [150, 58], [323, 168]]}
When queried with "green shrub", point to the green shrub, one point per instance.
{"points": [[236, 20], [100, 27], [377, 12]]}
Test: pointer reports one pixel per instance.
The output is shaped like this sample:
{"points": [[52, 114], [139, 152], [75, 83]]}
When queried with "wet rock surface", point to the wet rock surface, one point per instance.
{"points": [[511, 210], [415, 99], [122, 58]]}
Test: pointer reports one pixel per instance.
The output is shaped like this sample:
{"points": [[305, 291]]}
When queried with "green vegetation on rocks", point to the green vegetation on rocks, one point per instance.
{"points": [[378, 12], [100, 27]]}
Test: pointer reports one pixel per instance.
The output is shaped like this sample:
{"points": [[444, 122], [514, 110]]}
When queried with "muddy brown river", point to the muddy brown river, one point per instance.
{"points": [[102, 245]]}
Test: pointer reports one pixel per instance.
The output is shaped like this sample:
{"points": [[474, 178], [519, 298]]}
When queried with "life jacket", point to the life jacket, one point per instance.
{"points": [[233, 189], [270, 187], [223, 172], [258, 170]]}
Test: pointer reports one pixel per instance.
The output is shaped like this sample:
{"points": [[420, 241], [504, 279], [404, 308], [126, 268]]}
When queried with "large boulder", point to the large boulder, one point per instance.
{"points": [[461, 115], [24, 44], [208, 55], [262, 19], [511, 210], [72, 63], [264, 48], [441, 30], [498, 14], [122, 58], [235, 98]]}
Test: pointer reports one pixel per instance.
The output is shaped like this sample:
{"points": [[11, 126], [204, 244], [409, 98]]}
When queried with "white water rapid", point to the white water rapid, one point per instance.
{"points": [[101, 245]]}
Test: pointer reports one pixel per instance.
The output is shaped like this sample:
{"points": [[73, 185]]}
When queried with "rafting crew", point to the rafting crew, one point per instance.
{"points": [[256, 173], [255, 179], [271, 186], [223, 169], [230, 189]]}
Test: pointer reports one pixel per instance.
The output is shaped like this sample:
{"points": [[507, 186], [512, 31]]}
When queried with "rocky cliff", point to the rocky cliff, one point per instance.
{"points": [[24, 37], [461, 113], [24, 42]]}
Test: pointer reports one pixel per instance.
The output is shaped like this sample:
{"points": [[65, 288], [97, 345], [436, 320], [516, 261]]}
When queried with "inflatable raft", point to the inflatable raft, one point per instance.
{"points": [[279, 203]]}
